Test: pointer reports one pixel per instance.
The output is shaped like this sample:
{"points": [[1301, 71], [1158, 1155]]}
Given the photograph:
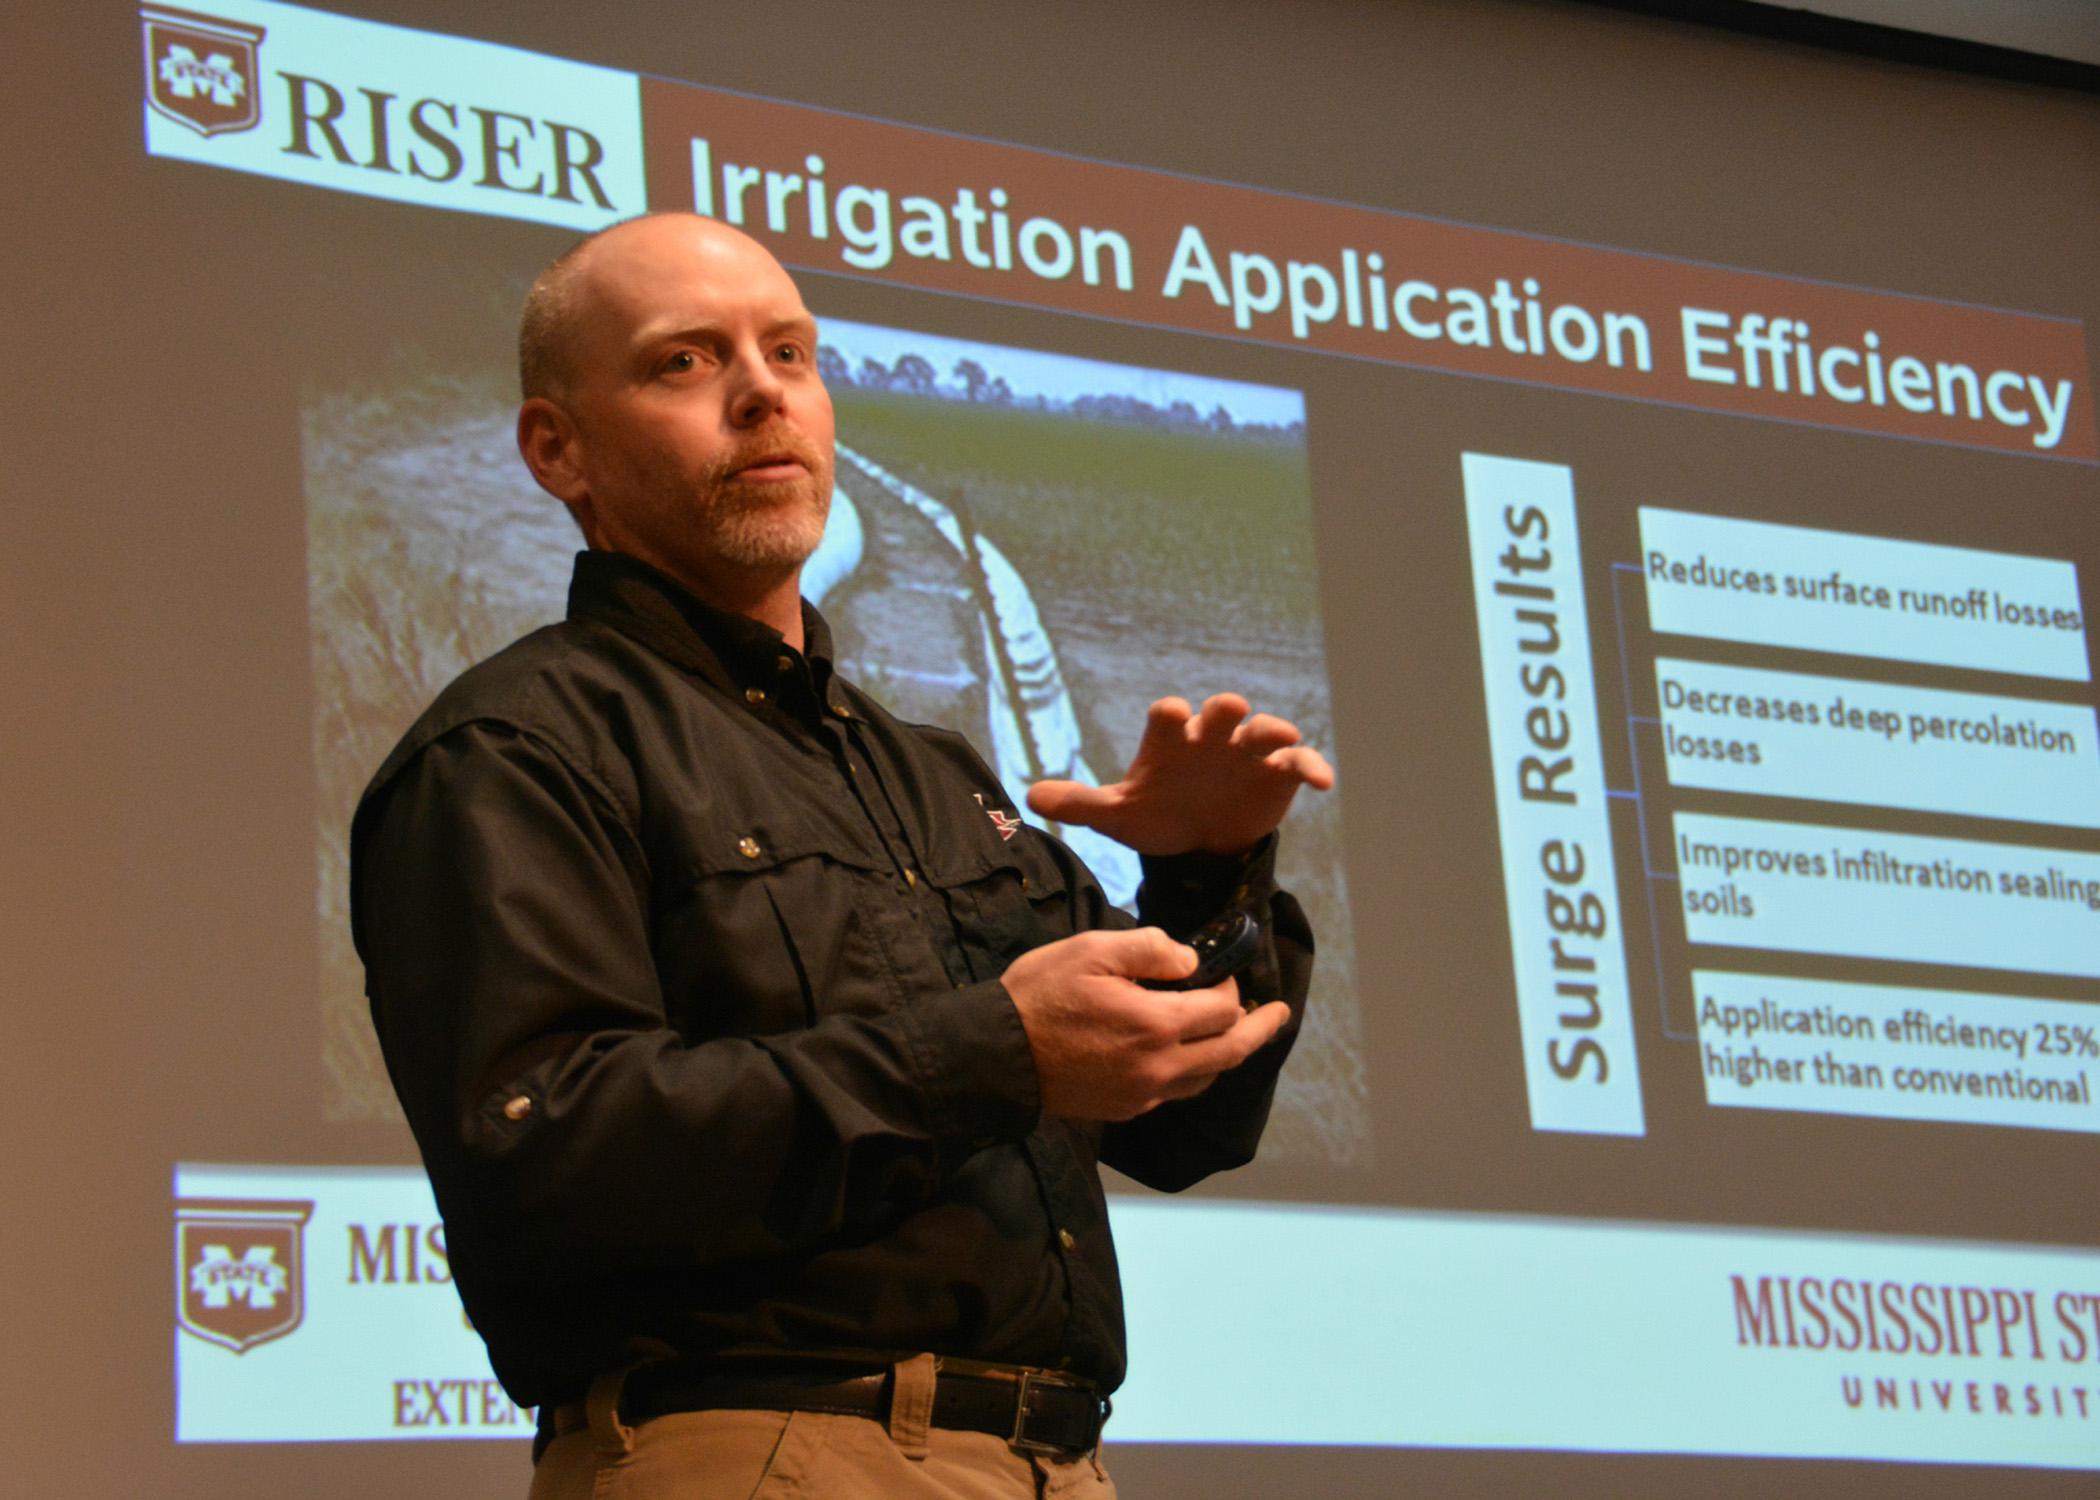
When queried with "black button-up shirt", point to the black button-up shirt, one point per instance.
{"points": [[684, 957]]}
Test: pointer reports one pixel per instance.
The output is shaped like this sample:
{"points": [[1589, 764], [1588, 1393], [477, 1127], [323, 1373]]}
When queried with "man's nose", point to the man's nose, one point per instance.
{"points": [[759, 393]]}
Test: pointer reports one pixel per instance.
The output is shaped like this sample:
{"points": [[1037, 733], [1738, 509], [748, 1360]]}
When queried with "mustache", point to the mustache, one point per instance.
{"points": [[771, 443]]}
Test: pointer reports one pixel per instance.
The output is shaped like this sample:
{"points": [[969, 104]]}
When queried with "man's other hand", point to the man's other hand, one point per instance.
{"points": [[1106, 1049], [1214, 782]]}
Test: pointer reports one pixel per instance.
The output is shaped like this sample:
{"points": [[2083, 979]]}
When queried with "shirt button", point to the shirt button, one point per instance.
{"points": [[747, 846], [911, 877], [842, 711], [784, 664], [754, 695], [517, 1108], [1064, 1238]]}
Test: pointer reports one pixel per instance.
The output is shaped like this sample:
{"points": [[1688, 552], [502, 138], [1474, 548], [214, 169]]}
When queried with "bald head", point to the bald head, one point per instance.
{"points": [[567, 295]]}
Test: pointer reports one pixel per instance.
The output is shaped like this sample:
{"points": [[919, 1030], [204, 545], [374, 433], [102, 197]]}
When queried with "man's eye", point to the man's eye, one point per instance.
{"points": [[681, 361], [788, 354]]}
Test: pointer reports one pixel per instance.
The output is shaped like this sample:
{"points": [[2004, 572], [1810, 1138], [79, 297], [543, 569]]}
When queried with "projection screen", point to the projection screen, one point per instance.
{"points": [[1657, 466]]}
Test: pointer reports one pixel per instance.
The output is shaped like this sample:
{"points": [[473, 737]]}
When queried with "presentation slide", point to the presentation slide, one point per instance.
{"points": [[1692, 587]]}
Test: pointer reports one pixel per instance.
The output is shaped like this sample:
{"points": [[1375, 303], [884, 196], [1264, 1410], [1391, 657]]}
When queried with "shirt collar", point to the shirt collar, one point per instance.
{"points": [[730, 650]]}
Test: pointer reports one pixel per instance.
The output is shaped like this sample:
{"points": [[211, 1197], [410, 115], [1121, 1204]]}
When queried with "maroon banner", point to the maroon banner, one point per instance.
{"points": [[947, 213]]}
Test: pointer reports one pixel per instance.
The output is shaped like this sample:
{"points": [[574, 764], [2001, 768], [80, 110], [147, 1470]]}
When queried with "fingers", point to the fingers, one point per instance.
{"points": [[1226, 720], [1221, 715], [1066, 801], [1266, 1023], [1277, 741], [1204, 1059], [1166, 730], [1141, 953], [1264, 733], [1247, 1036], [1199, 1014], [1306, 764]]}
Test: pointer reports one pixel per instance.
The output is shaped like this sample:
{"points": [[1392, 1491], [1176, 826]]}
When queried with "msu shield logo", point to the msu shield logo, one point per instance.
{"points": [[200, 70], [239, 1270]]}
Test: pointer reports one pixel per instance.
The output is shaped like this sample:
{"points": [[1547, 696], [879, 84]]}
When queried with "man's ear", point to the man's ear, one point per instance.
{"points": [[552, 448]]}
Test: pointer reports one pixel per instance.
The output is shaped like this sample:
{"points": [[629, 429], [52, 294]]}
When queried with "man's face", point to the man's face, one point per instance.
{"points": [[702, 433]]}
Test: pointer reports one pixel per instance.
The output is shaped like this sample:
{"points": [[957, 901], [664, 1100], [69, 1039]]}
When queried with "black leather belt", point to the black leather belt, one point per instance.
{"points": [[1035, 1411]]}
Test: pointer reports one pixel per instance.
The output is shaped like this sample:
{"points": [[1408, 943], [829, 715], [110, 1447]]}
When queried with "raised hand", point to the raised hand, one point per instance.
{"points": [[1214, 781]]}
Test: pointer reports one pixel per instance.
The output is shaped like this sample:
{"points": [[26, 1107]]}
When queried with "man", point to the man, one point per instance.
{"points": [[760, 1069]]}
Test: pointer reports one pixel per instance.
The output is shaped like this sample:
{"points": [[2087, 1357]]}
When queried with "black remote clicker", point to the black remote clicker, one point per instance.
{"points": [[1223, 945]]}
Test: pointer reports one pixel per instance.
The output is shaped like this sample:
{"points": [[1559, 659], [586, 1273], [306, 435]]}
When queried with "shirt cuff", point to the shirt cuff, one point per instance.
{"points": [[1183, 891], [976, 1066]]}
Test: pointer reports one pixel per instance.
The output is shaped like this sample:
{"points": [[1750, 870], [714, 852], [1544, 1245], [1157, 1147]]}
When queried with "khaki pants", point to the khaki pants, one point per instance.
{"points": [[757, 1455]]}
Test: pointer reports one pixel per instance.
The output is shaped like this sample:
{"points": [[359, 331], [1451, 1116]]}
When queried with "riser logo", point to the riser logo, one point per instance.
{"points": [[340, 103]]}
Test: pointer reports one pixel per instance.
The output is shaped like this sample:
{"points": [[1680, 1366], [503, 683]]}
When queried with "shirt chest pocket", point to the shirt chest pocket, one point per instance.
{"points": [[1003, 902], [780, 935], [771, 938]]}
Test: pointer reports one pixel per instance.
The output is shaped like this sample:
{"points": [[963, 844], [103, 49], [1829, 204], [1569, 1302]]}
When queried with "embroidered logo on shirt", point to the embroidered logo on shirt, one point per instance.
{"points": [[1007, 824]]}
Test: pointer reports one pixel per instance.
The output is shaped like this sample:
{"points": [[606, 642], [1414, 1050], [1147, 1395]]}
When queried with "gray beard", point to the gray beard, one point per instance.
{"points": [[777, 535]]}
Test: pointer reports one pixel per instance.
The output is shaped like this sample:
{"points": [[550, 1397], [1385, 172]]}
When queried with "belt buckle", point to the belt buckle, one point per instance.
{"points": [[1030, 1378]]}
